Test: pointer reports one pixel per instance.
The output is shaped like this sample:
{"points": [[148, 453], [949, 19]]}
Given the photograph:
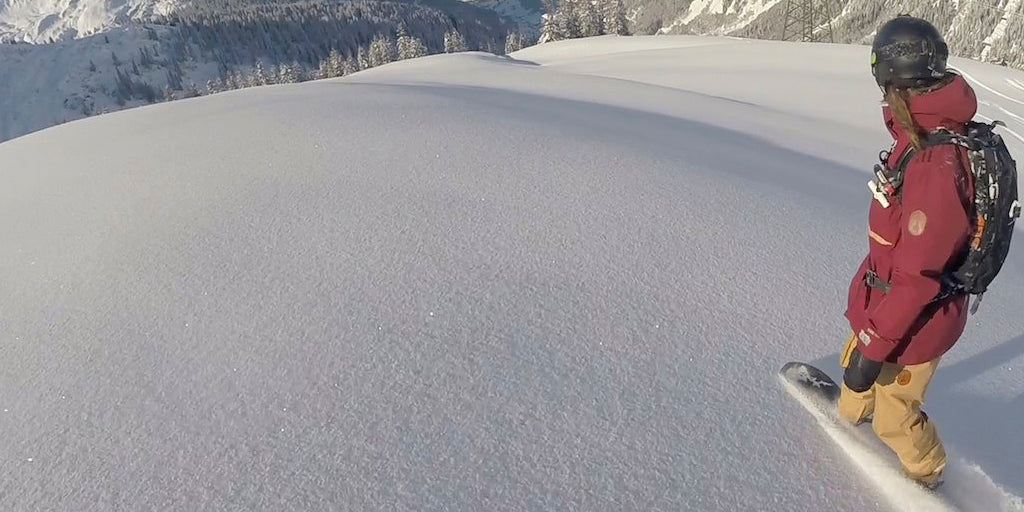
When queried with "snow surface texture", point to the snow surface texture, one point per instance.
{"points": [[563, 281]]}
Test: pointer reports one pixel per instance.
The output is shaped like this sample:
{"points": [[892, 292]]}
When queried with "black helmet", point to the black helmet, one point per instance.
{"points": [[908, 52]]}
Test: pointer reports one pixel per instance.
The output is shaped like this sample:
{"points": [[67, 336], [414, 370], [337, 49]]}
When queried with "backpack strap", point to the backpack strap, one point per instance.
{"points": [[934, 138], [888, 181]]}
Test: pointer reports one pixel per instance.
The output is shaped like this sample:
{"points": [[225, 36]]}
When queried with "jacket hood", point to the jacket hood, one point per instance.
{"points": [[950, 106]]}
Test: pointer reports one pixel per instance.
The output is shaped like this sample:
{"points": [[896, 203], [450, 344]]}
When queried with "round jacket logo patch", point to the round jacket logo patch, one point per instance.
{"points": [[903, 378], [917, 222]]}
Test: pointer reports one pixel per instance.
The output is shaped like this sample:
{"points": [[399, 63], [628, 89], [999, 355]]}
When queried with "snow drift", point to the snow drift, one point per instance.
{"points": [[559, 281]]}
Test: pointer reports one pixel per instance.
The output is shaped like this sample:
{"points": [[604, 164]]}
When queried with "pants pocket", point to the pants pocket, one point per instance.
{"points": [[851, 345]]}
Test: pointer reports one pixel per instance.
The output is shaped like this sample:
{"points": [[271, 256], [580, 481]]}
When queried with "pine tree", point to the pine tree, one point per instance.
{"points": [[213, 86], [192, 91], [258, 76], [363, 59], [288, 74], [567, 16], [513, 42], [350, 66], [335, 64], [124, 87], [323, 70], [146, 91], [615, 18], [454, 42], [382, 51], [549, 29], [409, 47], [168, 93], [592, 23]]}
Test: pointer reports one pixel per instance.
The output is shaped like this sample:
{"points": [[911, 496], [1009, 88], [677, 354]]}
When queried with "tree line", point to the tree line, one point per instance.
{"points": [[572, 19]]}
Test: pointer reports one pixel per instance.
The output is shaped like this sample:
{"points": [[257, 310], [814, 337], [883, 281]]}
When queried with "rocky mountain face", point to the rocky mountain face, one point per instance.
{"points": [[991, 30]]}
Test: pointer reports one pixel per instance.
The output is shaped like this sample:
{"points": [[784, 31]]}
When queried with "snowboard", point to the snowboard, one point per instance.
{"points": [[811, 382], [819, 395]]}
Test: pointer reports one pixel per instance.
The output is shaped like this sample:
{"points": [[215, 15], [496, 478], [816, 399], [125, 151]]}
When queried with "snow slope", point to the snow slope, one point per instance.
{"points": [[562, 281]]}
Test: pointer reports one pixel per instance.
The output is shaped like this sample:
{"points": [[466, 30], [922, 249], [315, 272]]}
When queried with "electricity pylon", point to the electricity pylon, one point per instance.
{"points": [[808, 20]]}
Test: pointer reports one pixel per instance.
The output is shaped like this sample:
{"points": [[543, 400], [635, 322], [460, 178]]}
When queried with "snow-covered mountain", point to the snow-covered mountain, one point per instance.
{"points": [[558, 281], [200, 47], [42, 21], [981, 29]]}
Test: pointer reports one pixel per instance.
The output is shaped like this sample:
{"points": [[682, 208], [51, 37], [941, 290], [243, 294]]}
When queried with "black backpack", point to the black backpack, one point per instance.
{"points": [[996, 205]]}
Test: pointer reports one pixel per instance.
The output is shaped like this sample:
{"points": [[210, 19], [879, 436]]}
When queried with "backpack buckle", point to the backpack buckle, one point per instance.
{"points": [[873, 280], [882, 187], [879, 193]]}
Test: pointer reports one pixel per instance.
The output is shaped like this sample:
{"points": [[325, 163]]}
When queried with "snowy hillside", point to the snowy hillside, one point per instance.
{"points": [[560, 281]]}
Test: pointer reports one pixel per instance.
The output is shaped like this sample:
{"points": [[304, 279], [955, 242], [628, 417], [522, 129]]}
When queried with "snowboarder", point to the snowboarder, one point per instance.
{"points": [[902, 322]]}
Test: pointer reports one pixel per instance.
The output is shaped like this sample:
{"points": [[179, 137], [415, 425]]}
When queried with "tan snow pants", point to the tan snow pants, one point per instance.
{"points": [[895, 401]]}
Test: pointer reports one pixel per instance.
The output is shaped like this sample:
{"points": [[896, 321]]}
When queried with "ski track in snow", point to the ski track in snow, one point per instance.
{"points": [[996, 109], [881, 471], [988, 88], [1009, 131], [1003, 129], [967, 487], [557, 281]]}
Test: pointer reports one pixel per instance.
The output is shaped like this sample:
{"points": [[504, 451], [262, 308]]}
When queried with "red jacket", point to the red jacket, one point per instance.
{"points": [[916, 239]]}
